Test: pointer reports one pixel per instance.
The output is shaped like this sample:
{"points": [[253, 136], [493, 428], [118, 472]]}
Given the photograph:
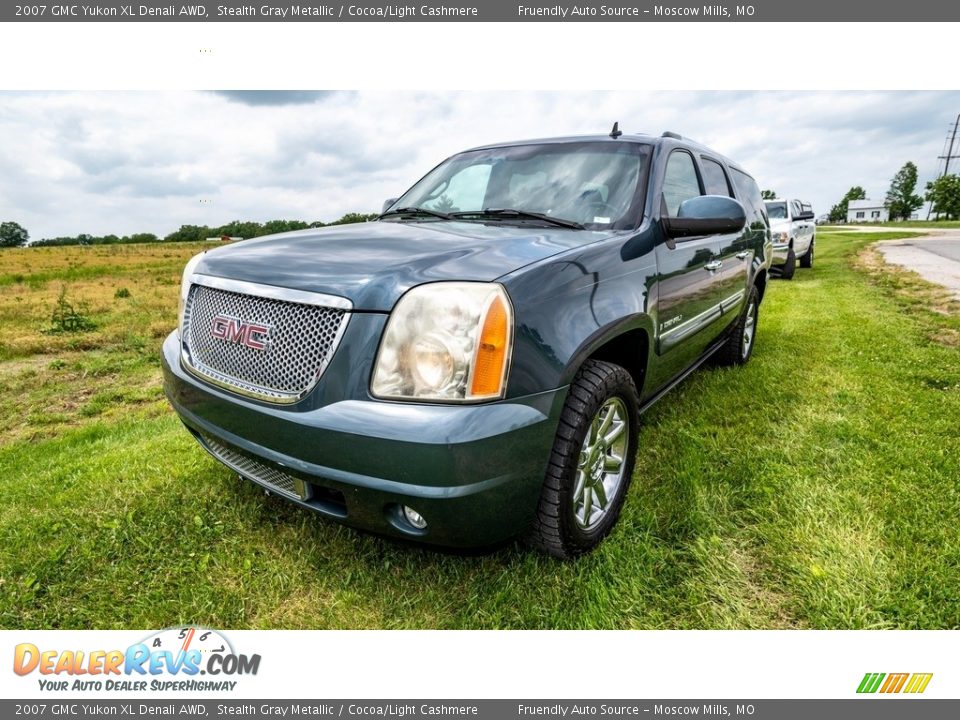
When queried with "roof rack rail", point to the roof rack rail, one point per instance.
{"points": [[670, 134]]}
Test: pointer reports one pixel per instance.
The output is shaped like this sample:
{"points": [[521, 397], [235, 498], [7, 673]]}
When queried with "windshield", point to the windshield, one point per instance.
{"points": [[777, 210], [595, 184]]}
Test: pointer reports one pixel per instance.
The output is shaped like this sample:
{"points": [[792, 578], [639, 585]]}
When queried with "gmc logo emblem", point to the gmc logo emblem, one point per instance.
{"points": [[241, 332]]}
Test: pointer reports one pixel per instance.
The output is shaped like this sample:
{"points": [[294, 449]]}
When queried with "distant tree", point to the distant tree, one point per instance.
{"points": [[278, 226], [84, 239], [838, 213], [768, 194], [141, 238], [355, 218], [191, 233], [901, 200], [944, 193], [239, 228], [13, 235]]}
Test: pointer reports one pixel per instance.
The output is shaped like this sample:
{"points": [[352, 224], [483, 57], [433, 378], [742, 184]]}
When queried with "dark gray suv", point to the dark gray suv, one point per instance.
{"points": [[473, 365]]}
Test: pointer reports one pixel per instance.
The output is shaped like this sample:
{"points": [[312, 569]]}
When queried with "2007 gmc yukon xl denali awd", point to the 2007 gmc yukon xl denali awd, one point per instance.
{"points": [[472, 365]]}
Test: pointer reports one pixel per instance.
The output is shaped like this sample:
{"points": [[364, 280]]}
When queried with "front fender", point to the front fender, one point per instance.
{"points": [[572, 305]]}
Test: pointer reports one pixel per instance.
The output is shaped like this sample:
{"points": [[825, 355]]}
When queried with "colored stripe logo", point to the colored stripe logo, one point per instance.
{"points": [[913, 683]]}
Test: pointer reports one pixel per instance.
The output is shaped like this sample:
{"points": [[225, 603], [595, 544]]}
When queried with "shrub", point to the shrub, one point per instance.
{"points": [[69, 317]]}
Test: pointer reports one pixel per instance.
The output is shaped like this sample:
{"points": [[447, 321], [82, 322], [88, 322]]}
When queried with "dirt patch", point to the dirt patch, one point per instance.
{"points": [[15, 368], [946, 336], [905, 284], [757, 593]]}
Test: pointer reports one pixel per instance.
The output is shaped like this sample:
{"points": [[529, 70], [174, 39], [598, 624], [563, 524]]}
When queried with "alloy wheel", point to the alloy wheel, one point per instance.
{"points": [[749, 326], [601, 464]]}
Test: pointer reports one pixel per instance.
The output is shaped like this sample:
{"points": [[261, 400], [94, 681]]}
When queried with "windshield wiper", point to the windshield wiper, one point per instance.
{"points": [[521, 214], [417, 211]]}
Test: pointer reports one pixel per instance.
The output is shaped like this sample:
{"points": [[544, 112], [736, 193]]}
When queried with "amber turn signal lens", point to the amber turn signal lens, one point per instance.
{"points": [[491, 355]]}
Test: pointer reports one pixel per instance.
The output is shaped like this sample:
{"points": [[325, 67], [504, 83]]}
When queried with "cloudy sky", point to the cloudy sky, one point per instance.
{"points": [[125, 162]]}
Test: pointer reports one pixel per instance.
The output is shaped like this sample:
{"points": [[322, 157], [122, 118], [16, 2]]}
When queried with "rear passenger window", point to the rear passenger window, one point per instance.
{"points": [[714, 178], [749, 195], [680, 181]]}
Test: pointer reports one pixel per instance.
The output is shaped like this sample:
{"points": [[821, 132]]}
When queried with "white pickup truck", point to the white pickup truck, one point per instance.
{"points": [[794, 235]]}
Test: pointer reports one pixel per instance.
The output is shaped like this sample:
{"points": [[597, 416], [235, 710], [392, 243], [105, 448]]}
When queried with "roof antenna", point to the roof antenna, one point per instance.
{"points": [[616, 132]]}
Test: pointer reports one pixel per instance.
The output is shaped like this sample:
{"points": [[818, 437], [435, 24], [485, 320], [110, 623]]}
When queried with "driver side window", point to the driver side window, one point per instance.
{"points": [[680, 181]]}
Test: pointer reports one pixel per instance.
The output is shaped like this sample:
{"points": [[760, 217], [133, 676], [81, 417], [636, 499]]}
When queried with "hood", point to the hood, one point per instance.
{"points": [[780, 224], [373, 264]]}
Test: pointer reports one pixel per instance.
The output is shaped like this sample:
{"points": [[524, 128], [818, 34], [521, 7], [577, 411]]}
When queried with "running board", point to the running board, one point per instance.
{"points": [[683, 376]]}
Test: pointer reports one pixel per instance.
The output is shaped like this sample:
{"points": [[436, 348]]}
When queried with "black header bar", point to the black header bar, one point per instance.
{"points": [[848, 11]]}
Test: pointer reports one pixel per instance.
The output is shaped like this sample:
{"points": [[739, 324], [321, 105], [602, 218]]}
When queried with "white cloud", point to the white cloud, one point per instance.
{"points": [[123, 162]]}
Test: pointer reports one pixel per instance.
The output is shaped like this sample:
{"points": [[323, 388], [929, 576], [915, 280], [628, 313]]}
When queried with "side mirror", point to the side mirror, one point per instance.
{"points": [[706, 215], [387, 204], [805, 216]]}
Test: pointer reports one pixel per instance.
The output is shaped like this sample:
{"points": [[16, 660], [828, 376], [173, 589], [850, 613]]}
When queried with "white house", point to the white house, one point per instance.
{"points": [[867, 211]]}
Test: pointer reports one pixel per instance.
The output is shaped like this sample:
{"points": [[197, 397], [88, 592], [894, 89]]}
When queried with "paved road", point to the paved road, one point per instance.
{"points": [[935, 258], [948, 247]]}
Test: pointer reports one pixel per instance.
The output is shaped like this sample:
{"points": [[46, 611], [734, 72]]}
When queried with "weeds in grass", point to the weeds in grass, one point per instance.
{"points": [[70, 317]]}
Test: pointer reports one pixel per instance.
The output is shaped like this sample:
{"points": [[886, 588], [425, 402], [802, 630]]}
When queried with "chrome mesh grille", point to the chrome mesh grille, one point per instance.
{"points": [[302, 339], [247, 466]]}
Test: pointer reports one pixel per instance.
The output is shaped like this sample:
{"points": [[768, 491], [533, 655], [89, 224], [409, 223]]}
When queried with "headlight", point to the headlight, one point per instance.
{"points": [[781, 237], [447, 341], [185, 289]]}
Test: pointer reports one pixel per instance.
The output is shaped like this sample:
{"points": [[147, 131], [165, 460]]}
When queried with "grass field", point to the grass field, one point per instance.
{"points": [[907, 224], [819, 487]]}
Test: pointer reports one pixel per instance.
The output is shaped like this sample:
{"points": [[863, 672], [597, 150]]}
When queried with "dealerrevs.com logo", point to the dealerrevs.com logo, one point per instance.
{"points": [[172, 659]]}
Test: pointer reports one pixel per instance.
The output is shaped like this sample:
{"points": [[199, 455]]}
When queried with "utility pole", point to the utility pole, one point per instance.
{"points": [[947, 158]]}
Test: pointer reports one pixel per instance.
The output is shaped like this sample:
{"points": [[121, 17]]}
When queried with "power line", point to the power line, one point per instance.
{"points": [[951, 138], [950, 156]]}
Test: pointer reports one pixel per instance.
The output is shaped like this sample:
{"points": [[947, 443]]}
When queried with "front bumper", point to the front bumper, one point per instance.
{"points": [[474, 472]]}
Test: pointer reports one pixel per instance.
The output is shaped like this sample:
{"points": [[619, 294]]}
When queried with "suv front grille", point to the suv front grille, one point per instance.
{"points": [[290, 347]]}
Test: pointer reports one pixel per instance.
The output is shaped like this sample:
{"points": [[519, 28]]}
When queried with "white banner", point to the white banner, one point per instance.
{"points": [[477, 664]]}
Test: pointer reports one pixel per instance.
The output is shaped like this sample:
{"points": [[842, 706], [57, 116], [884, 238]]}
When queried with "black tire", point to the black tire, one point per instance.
{"points": [[790, 266], [556, 528], [806, 260], [735, 350]]}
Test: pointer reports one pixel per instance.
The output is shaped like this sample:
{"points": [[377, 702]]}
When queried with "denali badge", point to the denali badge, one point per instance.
{"points": [[241, 332]]}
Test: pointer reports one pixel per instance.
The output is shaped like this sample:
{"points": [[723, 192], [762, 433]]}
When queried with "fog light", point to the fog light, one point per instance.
{"points": [[414, 518]]}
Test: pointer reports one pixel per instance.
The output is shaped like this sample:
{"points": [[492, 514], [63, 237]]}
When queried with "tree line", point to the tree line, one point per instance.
{"points": [[902, 200], [14, 235]]}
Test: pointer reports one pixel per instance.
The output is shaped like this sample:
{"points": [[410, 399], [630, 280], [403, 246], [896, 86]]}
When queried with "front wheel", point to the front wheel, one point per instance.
{"points": [[738, 348], [591, 462], [790, 266]]}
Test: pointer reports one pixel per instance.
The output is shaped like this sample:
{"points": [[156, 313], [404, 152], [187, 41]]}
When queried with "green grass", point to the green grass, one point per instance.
{"points": [[918, 224], [815, 488]]}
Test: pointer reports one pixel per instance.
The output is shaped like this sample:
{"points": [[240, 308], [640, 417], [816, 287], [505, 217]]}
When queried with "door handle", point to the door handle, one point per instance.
{"points": [[713, 265], [742, 255]]}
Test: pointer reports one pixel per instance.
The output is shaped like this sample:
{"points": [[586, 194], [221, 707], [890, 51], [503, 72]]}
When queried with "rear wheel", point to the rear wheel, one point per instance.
{"points": [[738, 348], [591, 462], [806, 260]]}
